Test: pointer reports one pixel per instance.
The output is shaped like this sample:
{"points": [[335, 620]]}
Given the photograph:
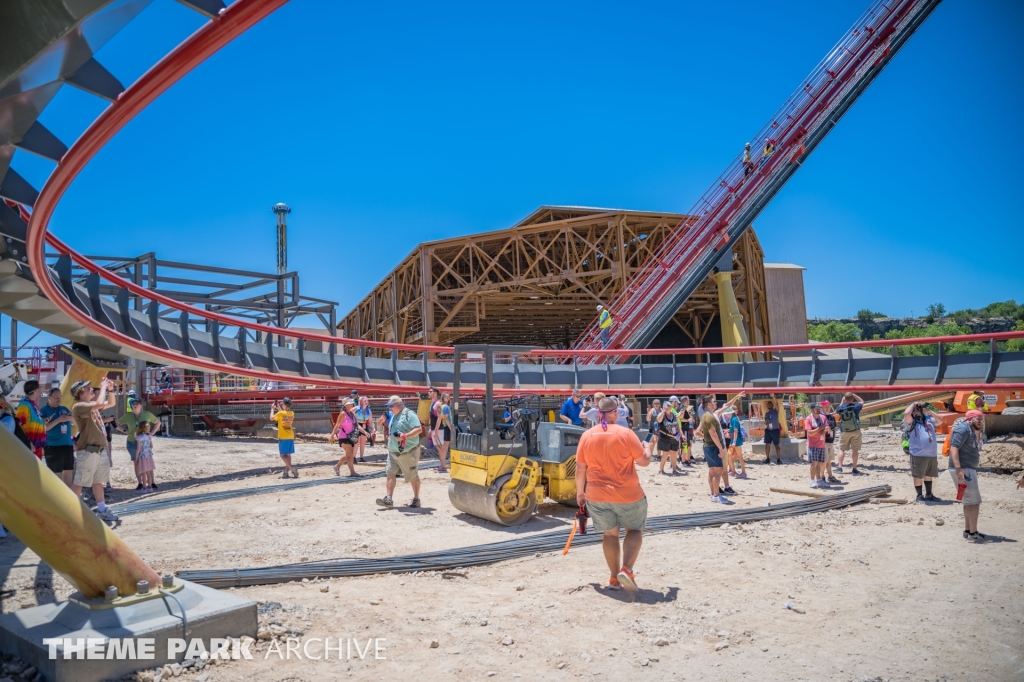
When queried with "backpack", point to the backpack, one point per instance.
{"points": [[848, 419], [947, 444], [908, 430]]}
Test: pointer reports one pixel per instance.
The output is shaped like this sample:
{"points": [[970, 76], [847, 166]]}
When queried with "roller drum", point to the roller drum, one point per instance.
{"points": [[482, 502]]}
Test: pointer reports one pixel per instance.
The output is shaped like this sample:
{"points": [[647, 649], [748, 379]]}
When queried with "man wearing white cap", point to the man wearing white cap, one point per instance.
{"points": [[403, 451]]}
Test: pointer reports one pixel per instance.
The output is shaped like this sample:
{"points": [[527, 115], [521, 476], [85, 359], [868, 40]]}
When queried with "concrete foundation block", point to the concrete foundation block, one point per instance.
{"points": [[792, 448], [155, 622]]}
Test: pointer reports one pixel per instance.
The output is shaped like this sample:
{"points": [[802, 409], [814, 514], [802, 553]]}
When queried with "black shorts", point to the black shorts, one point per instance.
{"points": [[772, 436], [668, 444], [59, 458], [351, 439]]}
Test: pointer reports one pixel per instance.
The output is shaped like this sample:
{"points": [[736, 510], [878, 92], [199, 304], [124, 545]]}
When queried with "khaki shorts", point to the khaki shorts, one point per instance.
{"points": [[973, 493], [404, 463], [611, 515], [91, 468], [921, 467], [851, 440]]}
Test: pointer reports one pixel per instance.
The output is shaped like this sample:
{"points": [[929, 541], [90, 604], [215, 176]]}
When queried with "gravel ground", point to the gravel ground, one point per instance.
{"points": [[889, 592]]}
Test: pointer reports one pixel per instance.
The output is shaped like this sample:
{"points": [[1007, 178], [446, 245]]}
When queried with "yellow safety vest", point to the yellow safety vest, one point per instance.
{"points": [[972, 402], [605, 319]]}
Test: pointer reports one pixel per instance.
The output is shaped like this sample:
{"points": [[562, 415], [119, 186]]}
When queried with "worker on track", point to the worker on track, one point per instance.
{"points": [[604, 323]]}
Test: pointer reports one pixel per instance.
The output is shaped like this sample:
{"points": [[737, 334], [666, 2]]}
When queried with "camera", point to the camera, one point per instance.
{"points": [[398, 437]]}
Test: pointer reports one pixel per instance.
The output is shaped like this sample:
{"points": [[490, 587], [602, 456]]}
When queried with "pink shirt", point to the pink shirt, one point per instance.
{"points": [[815, 441]]}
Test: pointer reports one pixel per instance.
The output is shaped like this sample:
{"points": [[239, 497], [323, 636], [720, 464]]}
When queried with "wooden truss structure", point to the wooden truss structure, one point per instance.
{"points": [[539, 282]]}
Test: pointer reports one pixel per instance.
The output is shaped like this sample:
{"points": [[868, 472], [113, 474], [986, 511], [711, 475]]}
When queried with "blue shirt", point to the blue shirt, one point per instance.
{"points": [[571, 409], [734, 429], [60, 434]]}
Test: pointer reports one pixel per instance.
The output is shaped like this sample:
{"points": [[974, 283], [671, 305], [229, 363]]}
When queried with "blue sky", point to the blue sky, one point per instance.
{"points": [[387, 124]]}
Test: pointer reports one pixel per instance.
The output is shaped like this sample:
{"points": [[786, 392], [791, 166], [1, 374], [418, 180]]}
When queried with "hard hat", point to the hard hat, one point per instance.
{"points": [[600, 307]]}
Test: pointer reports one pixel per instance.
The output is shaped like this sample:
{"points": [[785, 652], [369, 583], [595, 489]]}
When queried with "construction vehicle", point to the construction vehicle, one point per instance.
{"points": [[1004, 411], [503, 466]]}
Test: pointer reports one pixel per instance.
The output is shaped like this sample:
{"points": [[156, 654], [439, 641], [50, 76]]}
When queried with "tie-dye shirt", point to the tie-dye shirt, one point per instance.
{"points": [[32, 424]]}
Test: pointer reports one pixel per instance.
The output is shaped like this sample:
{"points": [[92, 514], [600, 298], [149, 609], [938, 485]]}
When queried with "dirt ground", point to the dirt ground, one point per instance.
{"points": [[890, 592]]}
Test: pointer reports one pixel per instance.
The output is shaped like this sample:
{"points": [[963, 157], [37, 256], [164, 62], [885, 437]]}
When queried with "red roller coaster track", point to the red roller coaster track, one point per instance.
{"points": [[220, 31]]}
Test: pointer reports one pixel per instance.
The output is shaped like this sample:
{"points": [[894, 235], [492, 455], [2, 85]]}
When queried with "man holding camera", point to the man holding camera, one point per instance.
{"points": [[923, 445], [91, 466], [403, 452]]}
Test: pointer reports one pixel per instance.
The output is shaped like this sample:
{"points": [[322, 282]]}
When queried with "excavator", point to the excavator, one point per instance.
{"points": [[503, 465]]}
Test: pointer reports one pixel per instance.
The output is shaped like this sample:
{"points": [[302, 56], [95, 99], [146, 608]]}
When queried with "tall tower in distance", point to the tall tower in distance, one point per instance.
{"points": [[282, 212]]}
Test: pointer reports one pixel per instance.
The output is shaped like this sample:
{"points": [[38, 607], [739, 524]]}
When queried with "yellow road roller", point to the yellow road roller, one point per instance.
{"points": [[504, 460]]}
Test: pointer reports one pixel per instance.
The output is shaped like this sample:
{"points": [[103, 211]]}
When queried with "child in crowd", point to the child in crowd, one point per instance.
{"points": [[144, 466]]}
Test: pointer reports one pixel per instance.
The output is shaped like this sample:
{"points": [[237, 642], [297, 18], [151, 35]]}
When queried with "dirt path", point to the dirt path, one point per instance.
{"points": [[888, 593]]}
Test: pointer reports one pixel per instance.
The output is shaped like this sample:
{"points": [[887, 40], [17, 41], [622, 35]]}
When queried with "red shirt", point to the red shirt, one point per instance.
{"points": [[810, 423], [609, 456]]}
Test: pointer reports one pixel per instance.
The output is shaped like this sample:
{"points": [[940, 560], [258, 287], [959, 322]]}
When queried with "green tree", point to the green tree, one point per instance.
{"points": [[932, 330], [867, 315], [936, 310], [833, 332]]}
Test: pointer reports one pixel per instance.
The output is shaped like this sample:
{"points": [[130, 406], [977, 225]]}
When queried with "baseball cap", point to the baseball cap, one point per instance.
{"points": [[347, 402], [825, 403], [674, 399], [287, 401], [394, 400], [78, 387], [974, 414]]}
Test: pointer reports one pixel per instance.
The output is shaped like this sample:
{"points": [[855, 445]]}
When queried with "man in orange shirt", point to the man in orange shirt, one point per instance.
{"points": [[607, 482]]}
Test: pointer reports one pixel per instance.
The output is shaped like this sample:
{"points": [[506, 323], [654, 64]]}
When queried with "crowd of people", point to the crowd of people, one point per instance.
{"points": [[75, 443]]}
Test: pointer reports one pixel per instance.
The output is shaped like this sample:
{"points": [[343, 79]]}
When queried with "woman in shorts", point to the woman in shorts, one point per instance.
{"points": [[668, 439], [346, 430], [442, 433], [364, 421]]}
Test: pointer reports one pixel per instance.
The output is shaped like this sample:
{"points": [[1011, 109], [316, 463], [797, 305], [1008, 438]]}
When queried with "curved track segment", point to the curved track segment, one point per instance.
{"points": [[47, 296]]}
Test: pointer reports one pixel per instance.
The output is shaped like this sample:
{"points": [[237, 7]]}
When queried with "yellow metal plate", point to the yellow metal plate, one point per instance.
{"points": [[469, 474]]}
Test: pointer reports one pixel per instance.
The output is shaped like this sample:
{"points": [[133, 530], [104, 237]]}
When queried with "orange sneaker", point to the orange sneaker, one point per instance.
{"points": [[627, 579], [614, 584]]}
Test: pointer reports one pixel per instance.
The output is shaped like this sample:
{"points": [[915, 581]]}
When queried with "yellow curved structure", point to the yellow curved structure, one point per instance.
{"points": [[43, 513], [734, 333]]}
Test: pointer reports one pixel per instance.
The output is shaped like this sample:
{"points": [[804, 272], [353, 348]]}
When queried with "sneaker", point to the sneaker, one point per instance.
{"points": [[285, 474], [814, 484], [687, 464], [856, 472], [713, 498], [627, 580], [385, 502], [823, 484], [967, 534], [741, 475], [833, 479], [295, 472], [920, 498], [147, 490], [975, 537], [614, 584], [155, 486], [931, 498], [722, 499], [837, 468], [768, 460], [727, 490], [138, 487], [415, 504], [108, 516]]}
